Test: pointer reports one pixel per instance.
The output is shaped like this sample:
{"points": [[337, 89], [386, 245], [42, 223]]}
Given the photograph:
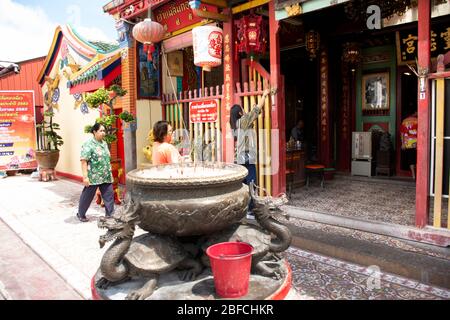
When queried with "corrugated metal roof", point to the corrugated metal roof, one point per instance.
{"points": [[26, 79]]}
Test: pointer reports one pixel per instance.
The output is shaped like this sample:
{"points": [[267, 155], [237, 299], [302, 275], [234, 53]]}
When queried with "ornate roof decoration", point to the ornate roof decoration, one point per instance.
{"points": [[85, 48], [100, 71]]}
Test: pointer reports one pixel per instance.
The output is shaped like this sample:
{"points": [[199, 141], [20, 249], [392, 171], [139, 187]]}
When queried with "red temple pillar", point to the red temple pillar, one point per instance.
{"points": [[277, 109], [423, 136], [230, 77]]}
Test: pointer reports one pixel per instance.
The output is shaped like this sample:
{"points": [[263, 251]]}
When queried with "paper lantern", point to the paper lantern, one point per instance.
{"points": [[251, 35], [207, 43], [148, 31], [351, 53]]}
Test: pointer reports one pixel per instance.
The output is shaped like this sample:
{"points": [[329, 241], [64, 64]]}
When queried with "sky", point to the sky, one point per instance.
{"points": [[27, 26]]}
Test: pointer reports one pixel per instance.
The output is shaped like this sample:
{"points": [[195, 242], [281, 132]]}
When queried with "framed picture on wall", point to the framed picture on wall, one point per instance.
{"points": [[375, 91], [175, 63], [148, 73]]}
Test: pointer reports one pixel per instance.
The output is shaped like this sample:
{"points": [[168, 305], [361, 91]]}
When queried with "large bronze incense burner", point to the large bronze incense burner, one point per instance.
{"points": [[184, 208], [189, 199]]}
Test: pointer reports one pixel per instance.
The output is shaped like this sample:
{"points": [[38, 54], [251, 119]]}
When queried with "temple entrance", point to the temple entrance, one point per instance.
{"points": [[301, 98], [352, 64], [408, 106]]}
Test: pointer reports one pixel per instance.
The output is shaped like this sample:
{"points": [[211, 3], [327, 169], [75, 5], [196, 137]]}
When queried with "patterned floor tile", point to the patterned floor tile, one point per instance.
{"points": [[394, 203], [332, 279]]}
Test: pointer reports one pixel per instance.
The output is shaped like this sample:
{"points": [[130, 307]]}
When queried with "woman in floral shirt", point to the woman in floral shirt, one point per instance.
{"points": [[96, 166]]}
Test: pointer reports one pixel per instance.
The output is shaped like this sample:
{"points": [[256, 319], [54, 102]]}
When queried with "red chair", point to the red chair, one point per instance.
{"points": [[315, 169]]}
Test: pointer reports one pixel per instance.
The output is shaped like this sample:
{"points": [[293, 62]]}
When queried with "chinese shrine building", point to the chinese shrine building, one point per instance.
{"points": [[351, 73]]}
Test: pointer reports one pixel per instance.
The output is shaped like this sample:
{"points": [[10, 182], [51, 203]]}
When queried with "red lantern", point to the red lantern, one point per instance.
{"points": [[148, 31], [251, 34]]}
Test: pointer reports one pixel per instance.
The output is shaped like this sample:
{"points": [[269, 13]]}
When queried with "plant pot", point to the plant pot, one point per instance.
{"points": [[47, 159]]}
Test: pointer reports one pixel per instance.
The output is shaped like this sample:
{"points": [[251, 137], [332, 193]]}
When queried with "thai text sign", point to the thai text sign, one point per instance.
{"points": [[203, 111], [407, 42], [177, 14], [17, 130]]}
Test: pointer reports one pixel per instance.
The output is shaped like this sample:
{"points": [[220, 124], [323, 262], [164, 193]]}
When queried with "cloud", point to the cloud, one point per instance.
{"points": [[74, 13], [92, 34], [27, 31]]}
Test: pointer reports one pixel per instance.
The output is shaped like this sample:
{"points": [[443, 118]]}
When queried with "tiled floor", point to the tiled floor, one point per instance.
{"points": [[326, 278], [377, 200]]}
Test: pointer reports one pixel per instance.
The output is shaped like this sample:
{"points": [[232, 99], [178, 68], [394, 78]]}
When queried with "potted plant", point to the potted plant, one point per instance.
{"points": [[103, 99], [47, 155]]}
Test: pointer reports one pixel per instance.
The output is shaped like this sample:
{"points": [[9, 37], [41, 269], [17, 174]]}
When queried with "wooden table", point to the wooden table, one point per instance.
{"points": [[298, 165]]}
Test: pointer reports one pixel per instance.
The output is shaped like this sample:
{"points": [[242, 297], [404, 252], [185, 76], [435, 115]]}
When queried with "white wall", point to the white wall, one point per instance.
{"points": [[72, 123]]}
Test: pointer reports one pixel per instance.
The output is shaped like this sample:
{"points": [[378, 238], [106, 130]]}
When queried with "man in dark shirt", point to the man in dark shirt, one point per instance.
{"points": [[297, 132]]}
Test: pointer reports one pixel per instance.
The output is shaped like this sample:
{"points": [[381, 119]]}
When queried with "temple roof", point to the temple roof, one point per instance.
{"points": [[97, 69], [85, 48]]}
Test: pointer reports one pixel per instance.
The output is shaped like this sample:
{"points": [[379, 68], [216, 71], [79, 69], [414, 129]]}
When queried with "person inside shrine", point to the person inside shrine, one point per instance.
{"points": [[298, 132], [408, 131]]}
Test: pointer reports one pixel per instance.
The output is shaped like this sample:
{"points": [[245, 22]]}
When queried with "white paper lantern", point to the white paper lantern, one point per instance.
{"points": [[207, 43], [148, 31]]}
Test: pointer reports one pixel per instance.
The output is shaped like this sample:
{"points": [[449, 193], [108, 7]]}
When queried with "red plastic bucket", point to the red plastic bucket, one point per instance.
{"points": [[231, 263]]}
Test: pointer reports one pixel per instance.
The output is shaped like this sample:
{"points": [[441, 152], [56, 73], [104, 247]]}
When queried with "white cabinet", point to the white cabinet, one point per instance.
{"points": [[362, 154], [362, 168]]}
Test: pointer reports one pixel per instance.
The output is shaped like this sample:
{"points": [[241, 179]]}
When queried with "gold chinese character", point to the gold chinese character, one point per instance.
{"points": [[227, 77], [410, 43], [227, 38], [446, 37], [227, 58], [433, 44], [227, 67]]}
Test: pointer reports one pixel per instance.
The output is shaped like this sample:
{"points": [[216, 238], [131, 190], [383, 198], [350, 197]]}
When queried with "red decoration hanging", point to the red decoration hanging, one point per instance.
{"points": [[251, 35], [149, 48]]}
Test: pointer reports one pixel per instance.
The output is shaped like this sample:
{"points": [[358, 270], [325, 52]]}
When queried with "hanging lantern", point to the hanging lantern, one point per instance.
{"points": [[351, 53], [207, 43], [148, 31], [251, 34], [312, 43]]}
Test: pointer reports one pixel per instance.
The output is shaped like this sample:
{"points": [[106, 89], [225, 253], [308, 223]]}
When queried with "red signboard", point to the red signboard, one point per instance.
{"points": [[17, 130], [203, 111], [176, 15]]}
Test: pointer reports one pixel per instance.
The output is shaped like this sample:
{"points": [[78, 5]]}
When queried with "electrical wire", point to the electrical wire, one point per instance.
{"points": [[171, 82]]}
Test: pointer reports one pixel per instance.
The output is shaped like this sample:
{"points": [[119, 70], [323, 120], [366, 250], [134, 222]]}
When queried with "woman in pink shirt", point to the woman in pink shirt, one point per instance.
{"points": [[163, 151]]}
